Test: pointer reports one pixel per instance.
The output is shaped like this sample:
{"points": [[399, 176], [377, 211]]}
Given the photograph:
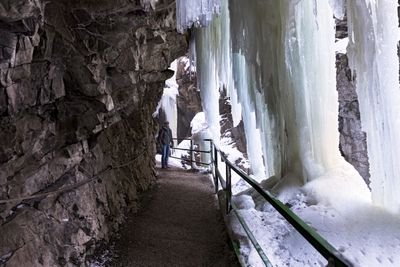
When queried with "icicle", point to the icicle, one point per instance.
{"points": [[195, 12]]}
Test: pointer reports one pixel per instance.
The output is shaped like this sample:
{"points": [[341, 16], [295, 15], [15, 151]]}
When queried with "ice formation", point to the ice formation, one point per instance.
{"points": [[215, 72], [278, 61], [286, 87], [200, 132], [195, 12], [374, 36]]}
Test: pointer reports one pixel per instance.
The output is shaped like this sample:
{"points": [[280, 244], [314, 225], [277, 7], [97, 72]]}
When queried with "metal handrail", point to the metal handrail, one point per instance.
{"points": [[334, 257], [253, 240], [192, 161], [194, 150]]}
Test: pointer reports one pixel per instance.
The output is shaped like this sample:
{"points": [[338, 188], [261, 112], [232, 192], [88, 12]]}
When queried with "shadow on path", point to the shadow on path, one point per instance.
{"points": [[179, 224]]}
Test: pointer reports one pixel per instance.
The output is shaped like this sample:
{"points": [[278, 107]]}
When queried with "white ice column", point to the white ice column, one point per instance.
{"points": [[207, 76], [372, 52], [253, 137], [310, 63]]}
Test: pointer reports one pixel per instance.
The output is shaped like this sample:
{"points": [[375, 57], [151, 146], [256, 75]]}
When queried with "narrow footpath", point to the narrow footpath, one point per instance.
{"points": [[179, 224]]}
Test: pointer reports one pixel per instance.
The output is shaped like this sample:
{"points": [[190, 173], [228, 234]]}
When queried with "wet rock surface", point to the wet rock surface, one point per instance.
{"points": [[79, 81], [353, 143]]}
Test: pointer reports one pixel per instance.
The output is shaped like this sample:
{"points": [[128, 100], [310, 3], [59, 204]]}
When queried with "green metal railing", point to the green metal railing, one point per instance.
{"points": [[333, 256], [192, 158]]}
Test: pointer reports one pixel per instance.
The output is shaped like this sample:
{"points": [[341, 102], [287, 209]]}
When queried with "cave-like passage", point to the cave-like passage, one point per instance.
{"points": [[179, 224]]}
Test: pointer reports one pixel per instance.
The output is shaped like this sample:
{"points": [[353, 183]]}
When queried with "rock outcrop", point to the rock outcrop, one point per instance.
{"points": [[237, 134], [79, 81], [353, 142], [188, 101]]}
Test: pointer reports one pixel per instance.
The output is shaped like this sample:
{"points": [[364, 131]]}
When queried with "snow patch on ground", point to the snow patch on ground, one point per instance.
{"points": [[365, 234], [176, 163]]}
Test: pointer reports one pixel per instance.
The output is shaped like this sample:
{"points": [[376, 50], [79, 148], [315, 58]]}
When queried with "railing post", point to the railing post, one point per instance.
{"points": [[211, 158], [215, 169], [228, 193], [191, 154], [211, 153]]}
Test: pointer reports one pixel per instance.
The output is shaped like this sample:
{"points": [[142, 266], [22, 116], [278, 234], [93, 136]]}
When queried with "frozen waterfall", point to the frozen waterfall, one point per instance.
{"points": [[277, 59]]}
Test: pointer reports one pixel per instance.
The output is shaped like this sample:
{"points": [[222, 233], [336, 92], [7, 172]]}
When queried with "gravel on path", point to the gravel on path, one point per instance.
{"points": [[179, 224]]}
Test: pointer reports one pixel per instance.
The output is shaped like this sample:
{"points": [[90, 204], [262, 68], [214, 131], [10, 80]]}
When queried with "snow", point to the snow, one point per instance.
{"points": [[199, 123], [341, 45], [200, 132], [176, 163], [365, 234], [189, 65]]}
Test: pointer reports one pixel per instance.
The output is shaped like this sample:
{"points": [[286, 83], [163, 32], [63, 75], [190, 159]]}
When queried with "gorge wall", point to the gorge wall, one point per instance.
{"points": [[188, 101], [353, 140], [79, 81]]}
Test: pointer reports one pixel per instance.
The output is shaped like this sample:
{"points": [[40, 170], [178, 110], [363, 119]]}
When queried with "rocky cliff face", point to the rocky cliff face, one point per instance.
{"points": [[353, 143], [79, 81], [188, 101]]}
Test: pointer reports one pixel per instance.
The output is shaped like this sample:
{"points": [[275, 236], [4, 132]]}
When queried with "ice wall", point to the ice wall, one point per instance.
{"points": [[215, 72], [214, 69], [372, 52], [207, 76], [253, 137], [289, 52], [280, 55]]}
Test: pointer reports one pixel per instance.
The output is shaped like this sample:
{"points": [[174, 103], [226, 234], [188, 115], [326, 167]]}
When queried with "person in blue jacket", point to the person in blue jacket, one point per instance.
{"points": [[165, 140]]}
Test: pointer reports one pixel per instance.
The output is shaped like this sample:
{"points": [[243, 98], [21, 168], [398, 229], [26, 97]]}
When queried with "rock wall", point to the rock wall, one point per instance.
{"points": [[188, 101], [353, 143], [79, 81], [236, 134]]}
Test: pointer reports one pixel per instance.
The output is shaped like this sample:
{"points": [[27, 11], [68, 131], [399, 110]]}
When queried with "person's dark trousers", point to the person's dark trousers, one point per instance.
{"points": [[165, 155]]}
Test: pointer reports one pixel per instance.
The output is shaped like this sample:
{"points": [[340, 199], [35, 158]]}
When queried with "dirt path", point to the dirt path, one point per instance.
{"points": [[179, 224]]}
